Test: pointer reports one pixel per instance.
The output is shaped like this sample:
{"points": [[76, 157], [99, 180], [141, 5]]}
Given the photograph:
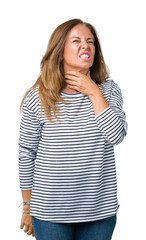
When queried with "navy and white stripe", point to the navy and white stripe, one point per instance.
{"points": [[70, 164]]}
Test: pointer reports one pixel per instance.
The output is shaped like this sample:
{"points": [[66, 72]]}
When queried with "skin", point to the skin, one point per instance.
{"points": [[77, 77], [79, 40], [77, 69], [26, 220]]}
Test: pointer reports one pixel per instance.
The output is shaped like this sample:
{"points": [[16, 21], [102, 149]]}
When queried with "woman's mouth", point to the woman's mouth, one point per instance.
{"points": [[85, 56]]}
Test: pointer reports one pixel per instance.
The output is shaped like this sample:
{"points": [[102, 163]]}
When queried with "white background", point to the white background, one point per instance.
{"points": [[24, 33]]}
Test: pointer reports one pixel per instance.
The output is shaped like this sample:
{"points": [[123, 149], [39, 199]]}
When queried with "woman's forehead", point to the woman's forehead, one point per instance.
{"points": [[80, 31]]}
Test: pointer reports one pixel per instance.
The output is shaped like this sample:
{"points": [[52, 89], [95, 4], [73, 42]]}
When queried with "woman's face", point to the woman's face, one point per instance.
{"points": [[79, 49]]}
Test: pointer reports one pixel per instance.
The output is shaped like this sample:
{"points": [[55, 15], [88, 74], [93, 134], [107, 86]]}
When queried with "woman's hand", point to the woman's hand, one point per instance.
{"points": [[81, 83], [26, 223]]}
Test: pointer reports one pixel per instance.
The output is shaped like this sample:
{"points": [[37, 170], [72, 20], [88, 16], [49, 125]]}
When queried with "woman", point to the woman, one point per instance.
{"points": [[72, 118]]}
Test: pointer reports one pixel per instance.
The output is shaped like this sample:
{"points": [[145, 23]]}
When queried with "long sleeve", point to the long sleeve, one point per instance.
{"points": [[28, 144], [111, 121]]}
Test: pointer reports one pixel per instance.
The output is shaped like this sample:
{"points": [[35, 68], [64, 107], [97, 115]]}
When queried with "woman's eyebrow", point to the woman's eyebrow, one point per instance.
{"points": [[76, 37], [90, 38], [79, 37]]}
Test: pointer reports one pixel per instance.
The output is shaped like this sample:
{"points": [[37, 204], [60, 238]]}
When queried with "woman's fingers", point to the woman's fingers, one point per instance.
{"points": [[30, 231], [22, 225], [26, 228], [71, 82], [71, 78], [26, 224], [80, 82]]}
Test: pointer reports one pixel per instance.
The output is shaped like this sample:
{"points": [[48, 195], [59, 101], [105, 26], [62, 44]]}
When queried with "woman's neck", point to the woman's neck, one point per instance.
{"points": [[67, 89]]}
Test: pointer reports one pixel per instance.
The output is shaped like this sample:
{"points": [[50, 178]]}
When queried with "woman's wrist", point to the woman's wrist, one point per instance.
{"points": [[26, 206], [94, 92], [26, 212], [98, 101]]}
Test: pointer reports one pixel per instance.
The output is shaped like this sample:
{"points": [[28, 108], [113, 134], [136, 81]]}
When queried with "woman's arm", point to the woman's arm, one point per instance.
{"points": [[98, 101], [110, 117], [28, 144]]}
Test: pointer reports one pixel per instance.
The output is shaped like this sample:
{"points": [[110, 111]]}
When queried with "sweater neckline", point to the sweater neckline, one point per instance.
{"points": [[72, 95]]}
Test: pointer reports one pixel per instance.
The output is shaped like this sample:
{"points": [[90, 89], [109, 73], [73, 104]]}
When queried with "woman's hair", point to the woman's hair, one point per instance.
{"points": [[51, 78]]}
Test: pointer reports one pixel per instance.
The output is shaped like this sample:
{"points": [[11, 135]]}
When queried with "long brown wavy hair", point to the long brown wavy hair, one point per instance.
{"points": [[51, 78]]}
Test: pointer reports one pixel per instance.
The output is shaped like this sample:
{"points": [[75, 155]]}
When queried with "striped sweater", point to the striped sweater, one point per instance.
{"points": [[69, 165]]}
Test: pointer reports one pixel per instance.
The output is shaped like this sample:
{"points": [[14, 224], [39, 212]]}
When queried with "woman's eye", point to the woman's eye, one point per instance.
{"points": [[78, 41], [91, 42], [75, 40]]}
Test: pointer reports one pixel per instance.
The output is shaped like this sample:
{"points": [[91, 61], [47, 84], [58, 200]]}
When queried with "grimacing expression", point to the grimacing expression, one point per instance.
{"points": [[79, 49]]}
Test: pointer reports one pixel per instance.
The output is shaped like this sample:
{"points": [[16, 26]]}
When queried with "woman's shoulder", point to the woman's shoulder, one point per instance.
{"points": [[110, 85], [32, 100]]}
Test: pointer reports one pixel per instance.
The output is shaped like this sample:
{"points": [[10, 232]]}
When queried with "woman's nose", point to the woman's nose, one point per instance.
{"points": [[84, 45]]}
